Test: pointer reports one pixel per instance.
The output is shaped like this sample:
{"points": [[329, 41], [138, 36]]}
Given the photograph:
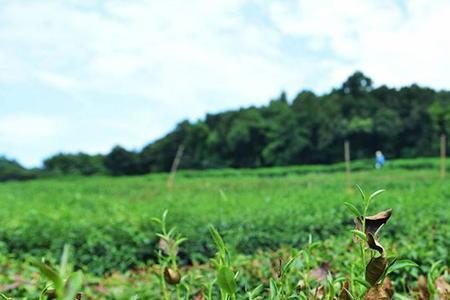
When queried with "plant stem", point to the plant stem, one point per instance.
{"points": [[178, 292], [164, 288], [363, 243]]}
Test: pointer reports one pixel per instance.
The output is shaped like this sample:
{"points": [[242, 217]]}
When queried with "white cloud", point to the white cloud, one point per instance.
{"points": [[154, 48], [147, 48], [395, 44], [162, 61], [56, 80], [24, 129]]}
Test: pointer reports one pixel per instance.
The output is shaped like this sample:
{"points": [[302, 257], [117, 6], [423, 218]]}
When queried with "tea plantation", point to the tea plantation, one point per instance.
{"points": [[260, 213]]}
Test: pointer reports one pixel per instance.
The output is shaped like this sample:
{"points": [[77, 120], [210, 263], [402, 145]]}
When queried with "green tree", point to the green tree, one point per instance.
{"points": [[122, 162], [74, 164], [311, 129], [12, 170]]}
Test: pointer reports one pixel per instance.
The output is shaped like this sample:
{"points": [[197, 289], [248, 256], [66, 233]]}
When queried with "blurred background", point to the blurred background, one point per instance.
{"points": [[86, 76]]}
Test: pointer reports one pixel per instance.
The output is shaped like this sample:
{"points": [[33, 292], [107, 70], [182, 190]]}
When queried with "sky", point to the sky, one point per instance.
{"points": [[85, 75]]}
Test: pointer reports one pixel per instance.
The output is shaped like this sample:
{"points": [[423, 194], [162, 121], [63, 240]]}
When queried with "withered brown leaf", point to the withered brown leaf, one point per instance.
{"points": [[375, 269], [343, 295], [376, 293], [422, 285], [388, 287], [172, 276], [382, 291], [373, 223], [443, 287], [374, 244], [319, 292]]}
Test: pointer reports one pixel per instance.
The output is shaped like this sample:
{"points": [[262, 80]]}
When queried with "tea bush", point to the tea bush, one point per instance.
{"points": [[108, 220]]}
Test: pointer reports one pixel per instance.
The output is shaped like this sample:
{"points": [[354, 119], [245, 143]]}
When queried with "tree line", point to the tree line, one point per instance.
{"points": [[308, 129]]}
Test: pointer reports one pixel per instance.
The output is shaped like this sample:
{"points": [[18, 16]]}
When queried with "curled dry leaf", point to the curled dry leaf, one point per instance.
{"points": [[319, 292], [443, 288], [300, 285], [171, 276], [373, 223], [388, 287], [343, 295], [380, 291], [374, 244], [422, 285], [375, 269], [276, 267]]}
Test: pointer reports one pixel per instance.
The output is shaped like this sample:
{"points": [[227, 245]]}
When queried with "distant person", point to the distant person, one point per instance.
{"points": [[379, 159]]}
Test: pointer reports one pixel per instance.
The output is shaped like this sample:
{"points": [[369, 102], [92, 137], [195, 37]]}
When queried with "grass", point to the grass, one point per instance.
{"points": [[108, 221]]}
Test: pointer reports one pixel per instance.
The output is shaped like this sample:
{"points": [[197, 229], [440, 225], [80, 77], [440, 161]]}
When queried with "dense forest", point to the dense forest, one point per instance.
{"points": [[308, 129]]}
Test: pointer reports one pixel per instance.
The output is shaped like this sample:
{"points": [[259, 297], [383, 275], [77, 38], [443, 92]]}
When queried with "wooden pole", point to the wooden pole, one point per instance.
{"points": [[175, 164], [347, 161], [443, 154]]}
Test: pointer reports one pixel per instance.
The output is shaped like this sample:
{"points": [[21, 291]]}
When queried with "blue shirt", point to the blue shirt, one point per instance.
{"points": [[380, 159]]}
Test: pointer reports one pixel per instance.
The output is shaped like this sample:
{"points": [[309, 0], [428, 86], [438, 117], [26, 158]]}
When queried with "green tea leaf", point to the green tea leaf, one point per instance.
{"points": [[217, 238], [164, 216], [73, 285], [288, 265], [360, 234], [256, 291], [362, 282], [64, 260], [180, 241], [226, 281], [401, 264], [363, 196], [51, 274], [353, 209], [376, 193], [273, 289], [156, 220]]}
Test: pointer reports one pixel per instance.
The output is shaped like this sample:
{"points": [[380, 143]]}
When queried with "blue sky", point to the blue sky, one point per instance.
{"points": [[79, 75]]}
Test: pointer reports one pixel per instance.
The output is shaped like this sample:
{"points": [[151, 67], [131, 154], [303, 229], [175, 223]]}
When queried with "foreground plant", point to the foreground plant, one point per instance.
{"points": [[375, 264], [167, 253], [226, 278], [63, 284]]}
